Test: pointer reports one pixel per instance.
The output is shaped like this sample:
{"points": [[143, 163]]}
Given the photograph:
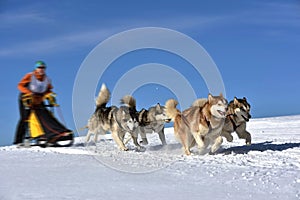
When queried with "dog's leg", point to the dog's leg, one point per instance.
{"points": [[184, 141], [144, 141], [162, 136], [122, 136], [191, 141], [88, 136], [134, 136], [180, 132], [135, 141], [248, 137], [98, 132], [127, 140], [243, 134], [96, 136], [217, 143], [117, 139], [227, 135], [142, 132], [200, 142], [181, 137]]}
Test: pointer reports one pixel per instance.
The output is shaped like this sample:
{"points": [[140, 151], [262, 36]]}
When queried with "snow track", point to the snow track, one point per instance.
{"points": [[268, 169]]}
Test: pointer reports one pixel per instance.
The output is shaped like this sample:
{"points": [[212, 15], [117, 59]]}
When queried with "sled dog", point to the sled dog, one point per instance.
{"points": [[238, 115], [152, 120], [116, 120], [201, 125]]}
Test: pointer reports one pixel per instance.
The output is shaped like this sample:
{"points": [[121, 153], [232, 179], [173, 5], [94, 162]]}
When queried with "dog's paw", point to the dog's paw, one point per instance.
{"points": [[144, 142], [203, 151], [186, 151], [140, 149], [164, 144], [124, 148], [229, 138]]}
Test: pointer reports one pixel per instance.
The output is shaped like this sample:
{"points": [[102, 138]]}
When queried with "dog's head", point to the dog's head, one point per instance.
{"points": [[128, 119], [218, 106], [153, 115], [240, 108], [158, 113]]}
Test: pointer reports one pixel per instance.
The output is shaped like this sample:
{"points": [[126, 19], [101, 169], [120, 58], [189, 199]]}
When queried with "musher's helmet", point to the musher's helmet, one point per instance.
{"points": [[40, 64]]}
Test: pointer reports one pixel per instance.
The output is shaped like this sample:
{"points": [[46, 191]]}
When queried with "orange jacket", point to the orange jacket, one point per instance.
{"points": [[23, 84]]}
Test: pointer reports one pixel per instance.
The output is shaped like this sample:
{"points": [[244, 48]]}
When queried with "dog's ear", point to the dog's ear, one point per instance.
{"points": [[221, 95], [235, 101], [157, 107], [245, 98], [210, 97]]}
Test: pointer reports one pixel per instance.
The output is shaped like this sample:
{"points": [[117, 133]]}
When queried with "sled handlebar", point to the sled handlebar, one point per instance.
{"points": [[32, 99]]}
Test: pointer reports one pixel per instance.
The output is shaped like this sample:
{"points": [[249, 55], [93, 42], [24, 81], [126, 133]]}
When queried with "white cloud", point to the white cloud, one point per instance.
{"points": [[65, 42], [273, 17], [276, 15], [19, 18], [58, 43]]}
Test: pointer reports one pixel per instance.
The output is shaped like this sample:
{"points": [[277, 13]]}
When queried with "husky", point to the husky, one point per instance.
{"points": [[152, 120], [238, 115], [201, 125], [112, 119]]}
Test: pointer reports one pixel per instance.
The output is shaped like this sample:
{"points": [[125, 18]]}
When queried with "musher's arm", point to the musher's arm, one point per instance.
{"points": [[23, 84], [49, 89]]}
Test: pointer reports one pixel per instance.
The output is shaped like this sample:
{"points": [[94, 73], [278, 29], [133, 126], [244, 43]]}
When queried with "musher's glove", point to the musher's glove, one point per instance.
{"points": [[51, 98], [27, 100]]}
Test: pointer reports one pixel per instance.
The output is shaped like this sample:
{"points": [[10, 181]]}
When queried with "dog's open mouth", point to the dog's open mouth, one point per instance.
{"points": [[167, 120], [245, 118], [222, 113]]}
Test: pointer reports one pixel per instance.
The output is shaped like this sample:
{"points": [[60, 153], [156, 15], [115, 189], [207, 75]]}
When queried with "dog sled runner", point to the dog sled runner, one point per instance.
{"points": [[42, 125]]}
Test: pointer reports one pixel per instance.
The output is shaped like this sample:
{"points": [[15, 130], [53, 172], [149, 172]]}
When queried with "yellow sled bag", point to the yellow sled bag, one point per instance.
{"points": [[35, 127]]}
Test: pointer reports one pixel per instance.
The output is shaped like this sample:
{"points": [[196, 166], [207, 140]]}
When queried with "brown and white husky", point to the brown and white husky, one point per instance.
{"points": [[200, 124]]}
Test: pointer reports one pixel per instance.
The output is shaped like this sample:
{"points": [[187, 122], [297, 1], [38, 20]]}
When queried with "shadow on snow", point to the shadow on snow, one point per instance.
{"points": [[264, 146]]}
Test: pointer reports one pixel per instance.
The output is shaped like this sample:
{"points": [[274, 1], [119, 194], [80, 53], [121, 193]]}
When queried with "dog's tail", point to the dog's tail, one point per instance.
{"points": [[129, 101], [83, 128], [103, 96], [199, 102], [173, 113], [171, 110]]}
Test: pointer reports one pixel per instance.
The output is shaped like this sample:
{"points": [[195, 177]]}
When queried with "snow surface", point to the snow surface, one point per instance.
{"points": [[268, 169]]}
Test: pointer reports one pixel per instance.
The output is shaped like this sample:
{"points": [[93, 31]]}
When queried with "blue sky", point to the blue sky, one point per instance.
{"points": [[255, 45]]}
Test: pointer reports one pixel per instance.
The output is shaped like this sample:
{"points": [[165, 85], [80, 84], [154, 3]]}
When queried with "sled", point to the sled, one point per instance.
{"points": [[43, 125]]}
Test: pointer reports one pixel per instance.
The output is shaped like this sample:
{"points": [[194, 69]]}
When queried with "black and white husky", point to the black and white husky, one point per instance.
{"points": [[116, 120], [238, 115], [152, 121]]}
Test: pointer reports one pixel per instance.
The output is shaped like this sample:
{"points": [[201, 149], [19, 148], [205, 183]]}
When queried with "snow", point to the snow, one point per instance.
{"points": [[268, 169]]}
